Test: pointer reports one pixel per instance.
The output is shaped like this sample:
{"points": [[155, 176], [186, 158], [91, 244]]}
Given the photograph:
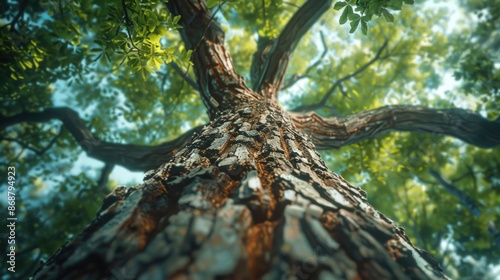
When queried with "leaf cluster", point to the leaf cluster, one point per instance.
{"points": [[362, 11]]}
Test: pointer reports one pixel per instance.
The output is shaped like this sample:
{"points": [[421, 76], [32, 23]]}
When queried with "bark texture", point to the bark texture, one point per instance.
{"points": [[249, 197], [330, 133]]}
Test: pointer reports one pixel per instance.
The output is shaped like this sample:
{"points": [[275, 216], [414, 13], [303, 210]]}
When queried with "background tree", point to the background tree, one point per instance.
{"points": [[129, 80]]}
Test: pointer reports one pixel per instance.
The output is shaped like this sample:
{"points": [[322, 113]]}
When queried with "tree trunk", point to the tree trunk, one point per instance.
{"points": [[248, 197]]}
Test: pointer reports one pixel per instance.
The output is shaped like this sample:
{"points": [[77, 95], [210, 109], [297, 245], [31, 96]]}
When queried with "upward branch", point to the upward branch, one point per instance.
{"points": [[219, 84], [133, 157], [276, 62]]}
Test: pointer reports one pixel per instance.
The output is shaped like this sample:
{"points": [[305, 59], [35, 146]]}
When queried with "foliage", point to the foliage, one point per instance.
{"points": [[365, 10], [111, 61]]}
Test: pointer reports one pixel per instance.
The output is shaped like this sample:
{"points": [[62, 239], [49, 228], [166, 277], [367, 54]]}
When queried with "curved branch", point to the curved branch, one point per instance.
{"points": [[219, 84], [276, 62], [132, 157], [465, 125]]}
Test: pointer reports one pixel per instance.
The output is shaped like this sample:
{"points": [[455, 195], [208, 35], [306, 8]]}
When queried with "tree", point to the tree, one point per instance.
{"points": [[247, 194]]}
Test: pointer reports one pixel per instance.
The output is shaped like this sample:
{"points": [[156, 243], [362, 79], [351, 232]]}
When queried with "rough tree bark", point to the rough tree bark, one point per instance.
{"points": [[247, 197]]}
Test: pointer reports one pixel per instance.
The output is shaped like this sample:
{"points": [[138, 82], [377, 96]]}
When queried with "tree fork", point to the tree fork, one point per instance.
{"points": [[249, 197]]}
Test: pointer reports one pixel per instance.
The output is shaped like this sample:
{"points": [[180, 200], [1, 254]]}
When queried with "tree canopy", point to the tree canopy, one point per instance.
{"points": [[95, 76]]}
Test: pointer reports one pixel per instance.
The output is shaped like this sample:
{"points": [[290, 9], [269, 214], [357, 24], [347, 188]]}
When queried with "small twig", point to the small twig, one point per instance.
{"points": [[27, 146], [295, 78], [20, 13], [355, 73], [463, 197], [127, 24], [338, 83], [104, 178], [184, 75], [472, 174]]}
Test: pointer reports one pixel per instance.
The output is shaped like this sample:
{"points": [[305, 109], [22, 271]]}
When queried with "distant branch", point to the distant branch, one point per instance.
{"points": [[17, 17], [33, 149], [465, 125], [492, 229], [104, 178], [133, 157], [463, 197], [338, 83], [276, 61], [297, 77], [184, 75]]}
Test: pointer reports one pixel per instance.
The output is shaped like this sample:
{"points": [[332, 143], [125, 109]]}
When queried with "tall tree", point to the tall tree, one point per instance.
{"points": [[246, 195]]}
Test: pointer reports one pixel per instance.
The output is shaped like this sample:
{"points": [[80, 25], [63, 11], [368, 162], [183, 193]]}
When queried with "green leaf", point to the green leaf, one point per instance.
{"points": [[387, 15], [409, 2], [339, 5], [345, 14], [354, 16], [354, 25], [395, 4], [364, 27], [212, 3]]}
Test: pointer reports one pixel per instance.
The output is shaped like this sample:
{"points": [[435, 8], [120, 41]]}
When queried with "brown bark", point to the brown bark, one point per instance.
{"points": [[219, 84], [247, 198], [465, 125]]}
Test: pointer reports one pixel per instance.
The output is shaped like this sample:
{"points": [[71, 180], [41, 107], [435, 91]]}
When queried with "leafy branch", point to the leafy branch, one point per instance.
{"points": [[362, 11], [134, 32], [17, 17]]}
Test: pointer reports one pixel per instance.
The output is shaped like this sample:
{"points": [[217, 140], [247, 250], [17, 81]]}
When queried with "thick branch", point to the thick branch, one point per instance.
{"points": [[276, 61], [330, 133], [132, 157], [219, 84], [264, 45]]}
